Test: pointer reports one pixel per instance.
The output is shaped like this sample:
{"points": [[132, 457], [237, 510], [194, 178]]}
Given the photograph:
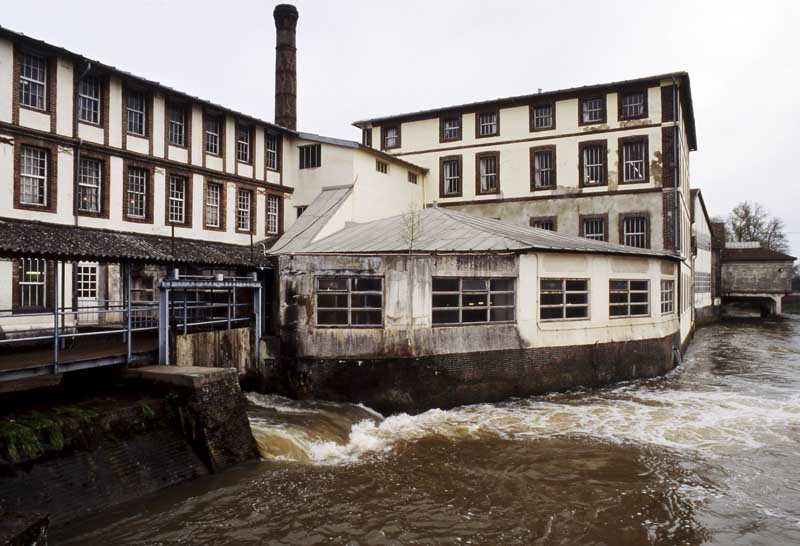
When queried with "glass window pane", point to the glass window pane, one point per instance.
{"points": [[552, 299], [366, 317], [443, 284], [332, 300], [577, 298], [638, 309], [550, 284], [472, 300], [474, 315], [332, 284], [503, 285], [331, 317], [550, 313], [638, 285], [445, 317], [619, 285], [366, 300], [577, 285], [618, 310], [445, 300], [502, 314], [502, 299], [618, 297], [638, 297], [473, 284], [577, 312], [361, 284]]}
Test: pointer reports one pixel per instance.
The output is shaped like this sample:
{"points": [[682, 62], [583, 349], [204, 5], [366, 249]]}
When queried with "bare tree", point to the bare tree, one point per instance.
{"points": [[750, 221], [412, 227]]}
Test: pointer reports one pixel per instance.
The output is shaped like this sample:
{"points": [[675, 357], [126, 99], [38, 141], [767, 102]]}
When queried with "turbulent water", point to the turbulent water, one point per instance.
{"points": [[708, 455]]}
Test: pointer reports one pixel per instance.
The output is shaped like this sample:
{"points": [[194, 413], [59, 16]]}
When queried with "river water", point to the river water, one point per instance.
{"points": [[707, 455]]}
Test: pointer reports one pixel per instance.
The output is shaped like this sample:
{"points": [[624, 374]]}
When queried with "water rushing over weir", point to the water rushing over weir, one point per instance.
{"points": [[708, 455]]}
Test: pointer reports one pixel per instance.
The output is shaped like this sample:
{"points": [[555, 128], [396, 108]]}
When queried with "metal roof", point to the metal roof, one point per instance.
{"points": [[444, 230], [754, 255], [526, 99]]}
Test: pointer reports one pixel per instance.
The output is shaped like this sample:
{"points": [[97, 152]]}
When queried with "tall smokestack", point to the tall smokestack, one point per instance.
{"points": [[285, 66]]}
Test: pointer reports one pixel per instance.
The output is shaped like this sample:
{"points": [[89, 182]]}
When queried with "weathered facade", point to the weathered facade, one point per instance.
{"points": [[706, 306], [752, 273]]}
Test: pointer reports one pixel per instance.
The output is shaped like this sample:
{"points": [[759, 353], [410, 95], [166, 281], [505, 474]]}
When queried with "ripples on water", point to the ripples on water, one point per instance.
{"points": [[708, 454]]}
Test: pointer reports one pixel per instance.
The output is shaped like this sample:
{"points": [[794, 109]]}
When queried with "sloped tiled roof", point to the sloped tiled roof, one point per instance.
{"points": [[445, 230], [62, 241], [754, 255]]}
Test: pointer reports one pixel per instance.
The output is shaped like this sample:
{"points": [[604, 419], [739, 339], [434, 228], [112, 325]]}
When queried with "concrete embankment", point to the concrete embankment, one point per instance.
{"points": [[166, 426]]}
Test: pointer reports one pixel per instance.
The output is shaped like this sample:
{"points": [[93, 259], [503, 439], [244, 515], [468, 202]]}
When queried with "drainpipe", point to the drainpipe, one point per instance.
{"points": [[77, 154]]}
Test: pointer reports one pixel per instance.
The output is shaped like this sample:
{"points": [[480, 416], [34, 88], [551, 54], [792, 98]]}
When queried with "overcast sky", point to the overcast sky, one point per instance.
{"points": [[358, 59]]}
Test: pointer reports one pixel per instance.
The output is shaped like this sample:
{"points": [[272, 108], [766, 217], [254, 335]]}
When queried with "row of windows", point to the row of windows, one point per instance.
{"points": [[634, 228], [593, 158], [33, 192], [358, 301], [33, 86], [592, 110]]}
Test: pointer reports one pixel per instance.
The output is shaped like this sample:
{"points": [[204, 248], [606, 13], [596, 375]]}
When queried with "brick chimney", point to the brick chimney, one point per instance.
{"points": [[285, 66]]}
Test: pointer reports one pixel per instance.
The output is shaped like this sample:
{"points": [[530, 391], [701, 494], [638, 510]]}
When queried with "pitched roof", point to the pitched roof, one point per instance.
{"points": [[521, 100], [358, 146], [754, 255], [445, 230], [696, 193], [68, 242]]}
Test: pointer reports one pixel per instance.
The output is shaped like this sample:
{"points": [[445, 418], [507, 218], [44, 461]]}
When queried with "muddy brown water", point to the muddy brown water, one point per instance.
{"points": [[708, 455]]}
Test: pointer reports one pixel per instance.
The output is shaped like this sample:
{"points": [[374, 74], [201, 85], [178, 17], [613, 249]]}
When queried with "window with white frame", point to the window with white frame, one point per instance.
{"points": [[243, 136], [273, 210], [272, 151], [177, 199], [349, 301], [633, 161], [543, 117], [487, 173], [594, 228], [33, 81], [32, 283], [561, 299], [213, 205], [391, 137], [470, 300], [594, 164], [90, 178], [212, 131], [381, 166], [451, 128], [628, 298], [487, 124], [89, 99], [543, 169], [243, 208], [137, 109], [632, 105], [33, 176], [176, 131], [451, 176], [137, 192], [634, 231], [86, 281], [593, 110], [667, 296], [310, 156]]}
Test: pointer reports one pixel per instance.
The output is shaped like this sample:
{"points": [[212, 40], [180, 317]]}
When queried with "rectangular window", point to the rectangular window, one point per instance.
{"points": [[381, 166], [89, 185], [633, 161], [33, 176], [594, 228], [86, 281], [488, 173], [391, 137], [243, 198], [471, 300], [243, 143], [544, 223], [33, 81], [89, 100], [632, 105], [137, 192], [177, 126], [629, 298], [451, 129], [667, 296], [593, 159], [488, 124], [634, 231], [32, 283], [177, 199], [136, 107], [561, 299], [212, 135], [272, 152], [310, 156], [273, 209], [542, 117], [543, 168], [593, 110], [213, 205], [301, 210], [412, 177], [349, 301], [451, 177], [366, 137]]}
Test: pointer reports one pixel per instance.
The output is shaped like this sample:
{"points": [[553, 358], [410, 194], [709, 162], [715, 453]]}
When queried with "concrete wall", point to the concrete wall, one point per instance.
{"points": [[701, 264], [756, 277]]}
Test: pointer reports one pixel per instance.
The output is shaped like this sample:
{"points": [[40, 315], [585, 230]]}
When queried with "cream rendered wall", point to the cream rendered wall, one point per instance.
{"points": [[6, 79], [64, 91], [337, 169], [115, 113], [91, 133], [34, 120], [137, 144], [197, 135], [6, 176], [158, 124], [258, 153], [230, 144]]}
